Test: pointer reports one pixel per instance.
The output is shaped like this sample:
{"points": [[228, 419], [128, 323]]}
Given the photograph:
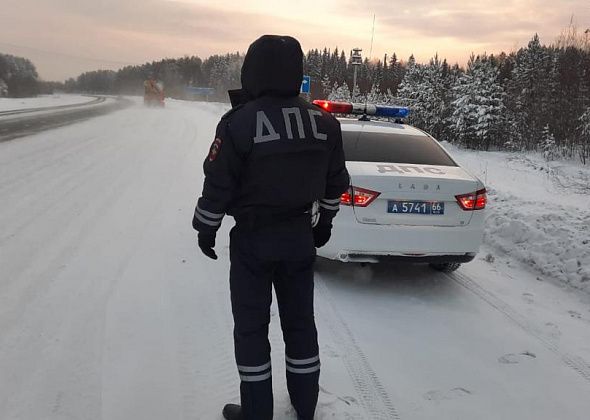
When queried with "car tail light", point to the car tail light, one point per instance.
{"points": [[473, 201], [362, 197]]}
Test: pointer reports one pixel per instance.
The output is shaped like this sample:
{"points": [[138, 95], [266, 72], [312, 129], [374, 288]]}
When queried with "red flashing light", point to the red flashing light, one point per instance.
{"points": [[362, 197], [473, 201], [334, 107]]}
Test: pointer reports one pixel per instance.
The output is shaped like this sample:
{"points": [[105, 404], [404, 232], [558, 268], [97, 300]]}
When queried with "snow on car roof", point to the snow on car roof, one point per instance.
{"points": [[354, 124]]}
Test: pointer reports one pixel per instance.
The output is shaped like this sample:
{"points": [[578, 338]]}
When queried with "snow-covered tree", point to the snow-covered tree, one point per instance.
{"points": [[425, 88], [314, 64], [340, 93], [548, 144], [584, 128], [478, 116], [410, 88], [3, 88], [326, 86], [19, 76], [529, 91], [356, 94], [585, 122], [374, 96]]}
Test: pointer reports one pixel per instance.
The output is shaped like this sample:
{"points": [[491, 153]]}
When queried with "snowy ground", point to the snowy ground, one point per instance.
{"points": [[42, 101], [108, 310]]}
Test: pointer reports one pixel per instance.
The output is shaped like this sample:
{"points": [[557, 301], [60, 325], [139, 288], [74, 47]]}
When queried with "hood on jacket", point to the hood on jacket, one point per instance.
{"points": [[273, 65]]}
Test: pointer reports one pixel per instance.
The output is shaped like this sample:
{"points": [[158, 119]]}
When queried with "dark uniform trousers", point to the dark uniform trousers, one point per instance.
{"points": [[283, 257]]}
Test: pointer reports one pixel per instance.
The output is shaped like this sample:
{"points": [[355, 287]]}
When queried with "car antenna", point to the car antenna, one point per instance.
{"points": [[365, 117]]}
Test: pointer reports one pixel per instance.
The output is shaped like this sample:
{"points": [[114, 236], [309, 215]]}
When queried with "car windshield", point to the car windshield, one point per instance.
{"points": [[393, 147]]}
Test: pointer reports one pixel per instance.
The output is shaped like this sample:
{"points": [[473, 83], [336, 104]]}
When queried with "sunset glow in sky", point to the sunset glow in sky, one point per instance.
{"points": [[66, 37]]}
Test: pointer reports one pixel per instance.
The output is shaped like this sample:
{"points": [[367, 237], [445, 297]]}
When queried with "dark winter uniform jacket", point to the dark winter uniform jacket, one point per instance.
{"points": [[275, 155]]}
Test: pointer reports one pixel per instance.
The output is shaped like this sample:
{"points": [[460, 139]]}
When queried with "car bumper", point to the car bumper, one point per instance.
{"points": [[353, 241]]}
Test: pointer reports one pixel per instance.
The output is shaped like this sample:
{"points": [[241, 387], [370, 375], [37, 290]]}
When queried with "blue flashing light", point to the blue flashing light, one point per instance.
{"points": [[392, 111]]}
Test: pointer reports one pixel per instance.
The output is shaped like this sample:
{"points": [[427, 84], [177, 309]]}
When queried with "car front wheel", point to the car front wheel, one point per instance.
{"points": [[448, 267]]}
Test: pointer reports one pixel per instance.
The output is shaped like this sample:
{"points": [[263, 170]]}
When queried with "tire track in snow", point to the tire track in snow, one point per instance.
{"points": [[574, 362], [373, 396], [36, 165], [71, 164], [57, 189], [204, 352], [205, 325]]}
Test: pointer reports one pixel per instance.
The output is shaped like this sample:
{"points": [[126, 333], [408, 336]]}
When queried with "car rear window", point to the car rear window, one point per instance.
{"points": [[393, 147]]}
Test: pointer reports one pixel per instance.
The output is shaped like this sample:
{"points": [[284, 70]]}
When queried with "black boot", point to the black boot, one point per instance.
{"points": [[232, 412]]}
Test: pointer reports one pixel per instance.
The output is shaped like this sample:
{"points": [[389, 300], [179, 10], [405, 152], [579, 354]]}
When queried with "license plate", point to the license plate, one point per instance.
{"points": [[416, 207]]}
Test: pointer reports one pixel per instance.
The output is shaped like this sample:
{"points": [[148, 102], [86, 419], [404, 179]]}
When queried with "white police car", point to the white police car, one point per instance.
{"points": [[409, 199]]}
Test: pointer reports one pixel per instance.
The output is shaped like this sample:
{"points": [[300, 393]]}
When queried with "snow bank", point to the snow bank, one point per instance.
{"points": [[10, 104], [538, 212], [553, 239]]}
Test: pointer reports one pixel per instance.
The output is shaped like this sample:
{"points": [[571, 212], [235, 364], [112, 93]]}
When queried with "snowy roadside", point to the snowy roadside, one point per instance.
{"points": [[538, 212], [12, 104]]}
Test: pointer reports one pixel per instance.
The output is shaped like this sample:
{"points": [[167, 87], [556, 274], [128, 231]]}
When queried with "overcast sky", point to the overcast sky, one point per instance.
{"points": [[66, 37]]}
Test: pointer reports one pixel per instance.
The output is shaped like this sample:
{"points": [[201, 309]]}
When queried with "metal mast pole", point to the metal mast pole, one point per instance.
{"points": [[354, 81], [356, 59]]}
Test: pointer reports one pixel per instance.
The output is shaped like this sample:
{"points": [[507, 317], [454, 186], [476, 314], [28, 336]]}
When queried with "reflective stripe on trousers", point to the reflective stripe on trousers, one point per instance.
{"points": [[255, 373], [303, 366]]}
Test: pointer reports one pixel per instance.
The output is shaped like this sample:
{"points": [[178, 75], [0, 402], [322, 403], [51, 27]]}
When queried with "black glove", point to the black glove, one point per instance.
{"points": [[206, 243], [321, 235]]}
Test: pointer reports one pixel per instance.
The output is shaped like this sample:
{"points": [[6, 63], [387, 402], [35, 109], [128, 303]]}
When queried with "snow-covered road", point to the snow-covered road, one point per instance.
{"points": [[17, 122], [108, 310], [42, 101]]}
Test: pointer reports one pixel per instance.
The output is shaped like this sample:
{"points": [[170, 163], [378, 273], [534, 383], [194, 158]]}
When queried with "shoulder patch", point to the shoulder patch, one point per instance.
{"points": [[214, 150]]}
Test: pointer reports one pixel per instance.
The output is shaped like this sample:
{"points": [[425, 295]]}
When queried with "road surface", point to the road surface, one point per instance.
{"points": [[109, 311], [17, 123]]}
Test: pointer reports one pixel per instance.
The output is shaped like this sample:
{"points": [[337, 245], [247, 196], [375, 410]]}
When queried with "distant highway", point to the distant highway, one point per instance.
{"points": [[24, 122]]}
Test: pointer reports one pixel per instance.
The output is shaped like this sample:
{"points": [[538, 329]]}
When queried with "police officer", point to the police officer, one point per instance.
{"points": [[273, 157]]}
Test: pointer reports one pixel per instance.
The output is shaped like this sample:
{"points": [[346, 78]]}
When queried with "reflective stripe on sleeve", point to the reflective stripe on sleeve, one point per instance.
{"points": [[207, 221], [329, 206], [330, 200], [209, 214]]}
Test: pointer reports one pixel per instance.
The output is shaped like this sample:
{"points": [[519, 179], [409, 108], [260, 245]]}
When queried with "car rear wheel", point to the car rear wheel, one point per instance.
{"points": [[448, 267]]}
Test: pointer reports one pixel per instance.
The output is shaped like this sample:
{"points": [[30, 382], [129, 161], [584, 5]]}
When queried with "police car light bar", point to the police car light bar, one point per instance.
{"points": [[363, 109]]}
